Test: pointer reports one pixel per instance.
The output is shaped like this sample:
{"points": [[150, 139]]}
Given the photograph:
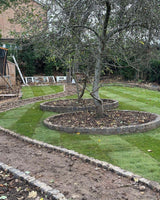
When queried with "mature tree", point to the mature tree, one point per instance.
{"points": [[105, 28], [106, 22]]}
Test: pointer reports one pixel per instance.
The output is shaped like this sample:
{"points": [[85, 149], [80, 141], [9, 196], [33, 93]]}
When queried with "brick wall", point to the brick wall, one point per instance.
{"points": [[6, 26]]}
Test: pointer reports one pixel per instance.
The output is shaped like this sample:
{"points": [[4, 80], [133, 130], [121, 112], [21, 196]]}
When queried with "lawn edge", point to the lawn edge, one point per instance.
{"points": [[102, 164]]}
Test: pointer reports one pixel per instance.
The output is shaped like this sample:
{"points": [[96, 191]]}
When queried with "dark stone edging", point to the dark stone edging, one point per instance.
{"points": [[105, 130], [102, 164], [51, 193], [63, 109]]}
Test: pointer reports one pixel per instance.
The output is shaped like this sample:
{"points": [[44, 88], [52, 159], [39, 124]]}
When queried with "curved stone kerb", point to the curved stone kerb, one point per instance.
{"points": [[105, 130], [64, 109]]}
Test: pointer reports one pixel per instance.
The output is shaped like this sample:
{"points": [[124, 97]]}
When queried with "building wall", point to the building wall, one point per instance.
{"points": [[6, 26], [12, 75], [7, 41]]}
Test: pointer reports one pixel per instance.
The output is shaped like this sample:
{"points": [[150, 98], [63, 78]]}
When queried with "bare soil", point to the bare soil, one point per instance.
{"points": [[112, 118], [12, 188], [74, 178]]}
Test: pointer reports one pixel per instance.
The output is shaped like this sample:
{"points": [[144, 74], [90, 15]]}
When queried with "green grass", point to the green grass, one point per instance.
{"points": [[130, 152], [35, 91]]}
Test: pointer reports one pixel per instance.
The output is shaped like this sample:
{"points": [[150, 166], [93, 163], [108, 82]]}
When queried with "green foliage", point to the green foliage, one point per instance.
{"points": [[127, 73], [27, 60], [33, 61], [51, 66], [4, 4], [154, 71]]}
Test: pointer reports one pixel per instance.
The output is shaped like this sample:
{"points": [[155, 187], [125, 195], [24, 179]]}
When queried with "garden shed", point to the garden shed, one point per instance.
{"points": [[7, 70]]}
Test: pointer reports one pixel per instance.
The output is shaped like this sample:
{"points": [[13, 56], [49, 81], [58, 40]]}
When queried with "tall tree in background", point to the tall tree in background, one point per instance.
{"points": [[105, 28]]}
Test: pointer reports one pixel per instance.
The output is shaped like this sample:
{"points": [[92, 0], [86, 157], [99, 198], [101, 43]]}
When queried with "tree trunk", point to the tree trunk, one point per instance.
{"points": [[95, 90]]}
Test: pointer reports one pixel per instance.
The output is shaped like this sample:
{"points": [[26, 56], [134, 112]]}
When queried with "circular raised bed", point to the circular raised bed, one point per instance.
{"points": [[120, 122], [71, 105]]}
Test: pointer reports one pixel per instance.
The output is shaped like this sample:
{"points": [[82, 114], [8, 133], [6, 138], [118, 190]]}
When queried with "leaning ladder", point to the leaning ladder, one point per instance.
{"points": [[19, 70]]}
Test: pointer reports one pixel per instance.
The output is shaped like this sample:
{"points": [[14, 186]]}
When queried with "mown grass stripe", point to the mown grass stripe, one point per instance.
{"points": [[27, 92], [83, 144], [37, 91], [11, 117], [123, 153], [51, 89], [137, 162], [124, 103], [34, 91], [131, 101], [146, 142], [28, 122], [148, 100], [140, 92], [47, 90]]}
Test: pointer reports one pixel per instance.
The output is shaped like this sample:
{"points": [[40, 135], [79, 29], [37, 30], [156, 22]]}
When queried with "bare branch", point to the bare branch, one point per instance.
{"points": [[124, 27], [89, 28], [106, 20]]}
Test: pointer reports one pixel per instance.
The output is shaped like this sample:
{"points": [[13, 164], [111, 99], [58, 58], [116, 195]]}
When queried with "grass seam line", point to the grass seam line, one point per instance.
{"points": [[102, 164]]}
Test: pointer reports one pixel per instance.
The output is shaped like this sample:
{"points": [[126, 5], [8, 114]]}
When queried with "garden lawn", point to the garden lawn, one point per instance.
{"points": [[130, 152], [35, 91]]}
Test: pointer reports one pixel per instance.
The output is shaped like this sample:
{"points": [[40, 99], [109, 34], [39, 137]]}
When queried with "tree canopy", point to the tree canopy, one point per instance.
{"points": [[110, 32]]}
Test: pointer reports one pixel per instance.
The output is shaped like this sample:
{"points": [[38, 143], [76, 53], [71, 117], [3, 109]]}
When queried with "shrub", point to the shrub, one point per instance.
{"points": [[154, 71]]}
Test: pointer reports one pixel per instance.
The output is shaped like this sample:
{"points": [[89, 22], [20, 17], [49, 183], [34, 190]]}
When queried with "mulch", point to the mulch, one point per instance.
{"points": [[112, 118], [12, 188]]}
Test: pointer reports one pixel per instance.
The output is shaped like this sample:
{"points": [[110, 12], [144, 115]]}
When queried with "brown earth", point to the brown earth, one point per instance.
{"points": [[12, 188], [74, 178]]}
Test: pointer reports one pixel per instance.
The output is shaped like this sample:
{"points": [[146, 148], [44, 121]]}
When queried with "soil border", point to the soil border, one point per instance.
{"points": [[102, 164], [63, 109], [51, 193], [105, 130]]}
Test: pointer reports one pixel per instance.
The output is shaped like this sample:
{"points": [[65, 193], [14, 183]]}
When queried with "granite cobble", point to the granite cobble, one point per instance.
{"points": [[42, 187], [107, 104], [105, 130]]}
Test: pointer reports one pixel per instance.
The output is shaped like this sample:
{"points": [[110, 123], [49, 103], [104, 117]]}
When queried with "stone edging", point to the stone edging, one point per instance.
{"points": [[51, 193], [63, 109], [15, 104], [105, 130], [151, 184]]}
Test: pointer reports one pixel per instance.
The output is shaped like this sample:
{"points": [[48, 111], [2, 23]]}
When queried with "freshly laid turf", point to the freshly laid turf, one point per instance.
{"points": [[35, 91], [139, 153]]}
